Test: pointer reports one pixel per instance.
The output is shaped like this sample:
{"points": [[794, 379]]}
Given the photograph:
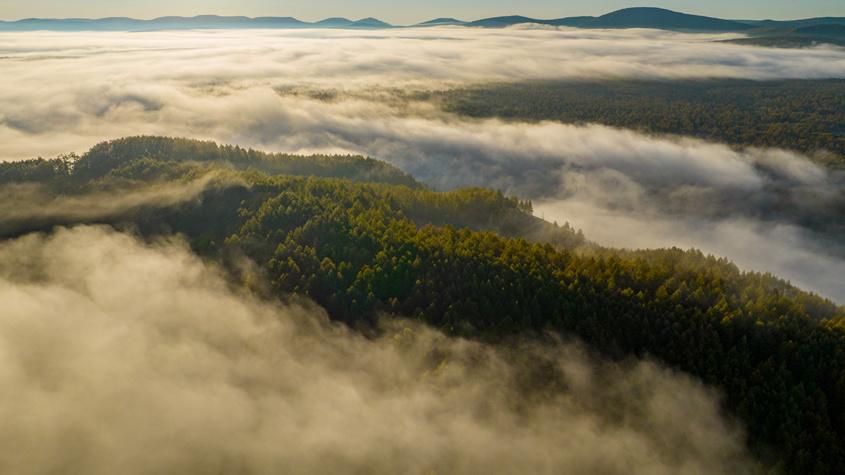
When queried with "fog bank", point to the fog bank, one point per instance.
{"points": [[354, 92], [120, 356], [65, 91]]}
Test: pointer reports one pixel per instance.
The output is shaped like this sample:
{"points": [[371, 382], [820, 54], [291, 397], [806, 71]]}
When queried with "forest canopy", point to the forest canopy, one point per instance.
{"points": [[803, 115], [364, 240]]}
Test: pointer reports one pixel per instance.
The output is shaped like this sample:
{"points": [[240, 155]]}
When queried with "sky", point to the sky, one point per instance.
{"points": [[409, 11]]}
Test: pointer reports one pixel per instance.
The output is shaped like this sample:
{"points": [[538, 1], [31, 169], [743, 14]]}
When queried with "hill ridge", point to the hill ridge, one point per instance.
{"points": [[632, 17]]}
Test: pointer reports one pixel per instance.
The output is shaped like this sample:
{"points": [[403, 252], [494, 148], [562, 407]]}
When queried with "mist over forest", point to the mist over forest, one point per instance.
{"points": [[529, 249]]}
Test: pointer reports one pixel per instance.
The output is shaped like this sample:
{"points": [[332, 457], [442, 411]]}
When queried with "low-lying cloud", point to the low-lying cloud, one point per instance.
{"points": [[769, 210], [24, 206], [351, 91], [126, 357], [784, 250], [74, 89]]}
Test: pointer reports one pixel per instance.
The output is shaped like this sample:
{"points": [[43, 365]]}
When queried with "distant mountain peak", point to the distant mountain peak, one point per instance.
{"points": [[370, 19], [642, 10], [442, 21], [653, 17], [370, 22], [501, 21], [335, 22]]}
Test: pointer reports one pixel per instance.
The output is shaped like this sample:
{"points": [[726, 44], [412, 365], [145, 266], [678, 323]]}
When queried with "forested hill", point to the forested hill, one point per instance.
{"points": [[471, 262], [806, 36], [802, 115], [134, 163], [108, 156]]}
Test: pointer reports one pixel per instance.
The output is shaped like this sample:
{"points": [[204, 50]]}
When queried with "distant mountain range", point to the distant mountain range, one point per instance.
{"points": [[641, 17], [627, 18], [442, 22], [183, 23]]}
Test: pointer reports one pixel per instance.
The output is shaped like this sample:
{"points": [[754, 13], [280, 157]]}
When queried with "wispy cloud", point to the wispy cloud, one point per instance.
{"points": [[121, 356], [336, 91], [69, 90], [24, 206]]}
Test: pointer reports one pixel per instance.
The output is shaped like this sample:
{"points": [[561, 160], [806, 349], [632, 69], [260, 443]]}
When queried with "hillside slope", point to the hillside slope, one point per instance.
{"points": [[800, 37], [803, 115], [363, 249]]}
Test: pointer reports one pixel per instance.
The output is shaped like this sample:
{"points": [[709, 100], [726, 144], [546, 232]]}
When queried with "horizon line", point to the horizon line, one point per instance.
{"points": [[82, 18]]}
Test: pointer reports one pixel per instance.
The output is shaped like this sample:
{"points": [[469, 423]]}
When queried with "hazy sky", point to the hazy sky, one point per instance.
{"points": [[409, 11]]}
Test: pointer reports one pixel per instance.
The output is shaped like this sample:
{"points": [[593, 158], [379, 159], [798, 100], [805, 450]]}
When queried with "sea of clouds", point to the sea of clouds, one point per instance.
{"points": [[348, 91], [123, 356], [64, 91]]}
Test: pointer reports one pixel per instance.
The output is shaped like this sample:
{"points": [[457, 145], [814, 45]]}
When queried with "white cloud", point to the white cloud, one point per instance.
{"points": [[121, 356], [64, 92]]}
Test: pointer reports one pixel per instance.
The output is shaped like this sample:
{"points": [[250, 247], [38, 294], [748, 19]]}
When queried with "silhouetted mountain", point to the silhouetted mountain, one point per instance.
{"points": [[644, 17], [575, 21], [628, 18], [370, 23], [502, 21], [796, 23], [181, 23], [442, 22], [657, 18], [505, 21], [335, 22], [640, 17], [271, 22], [796, 37]]}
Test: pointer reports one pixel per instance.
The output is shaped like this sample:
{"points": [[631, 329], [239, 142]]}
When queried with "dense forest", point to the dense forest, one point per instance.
{"points": [[800, 37], [365, 240], [802, 115], [121, 157]]}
